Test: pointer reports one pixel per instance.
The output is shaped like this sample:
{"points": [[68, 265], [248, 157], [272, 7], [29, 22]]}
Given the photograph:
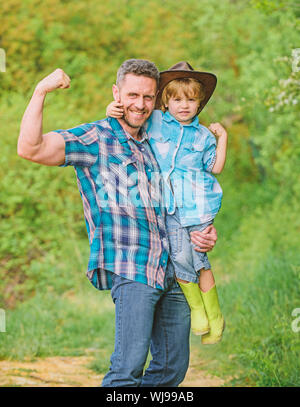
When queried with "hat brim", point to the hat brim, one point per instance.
{"points": [[208, 80]]}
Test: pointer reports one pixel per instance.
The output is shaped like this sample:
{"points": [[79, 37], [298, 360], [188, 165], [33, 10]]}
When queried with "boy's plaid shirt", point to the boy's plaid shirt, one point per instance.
{"points": [[120, 187]]}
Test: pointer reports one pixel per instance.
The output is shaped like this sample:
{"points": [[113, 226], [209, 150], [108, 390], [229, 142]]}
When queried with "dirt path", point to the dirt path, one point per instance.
{"points": [[73, 372]]}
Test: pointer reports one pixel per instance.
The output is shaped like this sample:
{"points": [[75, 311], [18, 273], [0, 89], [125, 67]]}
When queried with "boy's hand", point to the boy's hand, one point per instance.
{"points": [[115, 109], [218, 130], [205, 240]]}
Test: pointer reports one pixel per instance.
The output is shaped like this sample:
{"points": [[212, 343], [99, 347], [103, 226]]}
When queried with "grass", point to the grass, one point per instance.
{"points": [[258, 296], [52, 325]]}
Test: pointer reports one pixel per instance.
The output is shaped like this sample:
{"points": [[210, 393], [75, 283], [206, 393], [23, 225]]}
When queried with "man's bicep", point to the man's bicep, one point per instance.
{"points": [[52, 150]]}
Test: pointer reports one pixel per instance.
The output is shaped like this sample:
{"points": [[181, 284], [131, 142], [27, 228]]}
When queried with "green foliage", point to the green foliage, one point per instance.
{"points": [[269, 6], [258, 280], [252, 48]]}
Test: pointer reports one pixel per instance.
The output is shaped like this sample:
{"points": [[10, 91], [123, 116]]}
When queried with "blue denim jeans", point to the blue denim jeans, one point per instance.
{"points": [[149, 318]]}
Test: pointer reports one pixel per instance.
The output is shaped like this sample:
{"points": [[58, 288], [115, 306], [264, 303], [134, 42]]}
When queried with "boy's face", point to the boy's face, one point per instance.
{"points": [[183, 108]]}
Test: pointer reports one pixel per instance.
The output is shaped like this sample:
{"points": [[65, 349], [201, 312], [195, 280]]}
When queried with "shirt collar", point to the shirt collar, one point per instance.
{"points": [[142, 133], [123, 135], [169, 118]]}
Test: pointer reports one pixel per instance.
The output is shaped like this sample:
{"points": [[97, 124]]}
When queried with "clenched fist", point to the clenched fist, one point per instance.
{"points": [[57, 79], [218, 130]]}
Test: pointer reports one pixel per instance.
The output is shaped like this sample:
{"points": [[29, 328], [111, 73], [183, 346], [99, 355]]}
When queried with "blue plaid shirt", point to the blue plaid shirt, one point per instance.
{"points": [[120, 185], [186, 155]]}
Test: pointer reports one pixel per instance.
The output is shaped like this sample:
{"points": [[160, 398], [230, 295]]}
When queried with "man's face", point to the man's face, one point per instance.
{"points": [[137, 94]]}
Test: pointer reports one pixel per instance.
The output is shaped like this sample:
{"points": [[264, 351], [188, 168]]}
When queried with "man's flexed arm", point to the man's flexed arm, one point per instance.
{"points": [[33, 145]]}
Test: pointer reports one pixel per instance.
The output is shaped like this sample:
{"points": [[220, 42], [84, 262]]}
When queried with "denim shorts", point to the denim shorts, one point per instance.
{"points": [[187, 262]]}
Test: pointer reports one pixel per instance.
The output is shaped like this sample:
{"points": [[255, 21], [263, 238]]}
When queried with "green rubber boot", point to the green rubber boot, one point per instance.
{"points": [[215, 317], [199, 321]]}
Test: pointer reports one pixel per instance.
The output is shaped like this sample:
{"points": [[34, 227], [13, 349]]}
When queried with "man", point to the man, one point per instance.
{"points": [[125, 221]]}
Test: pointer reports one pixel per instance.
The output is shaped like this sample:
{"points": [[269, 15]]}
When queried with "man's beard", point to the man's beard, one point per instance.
{"points": [[133, 126], [130, 123]]}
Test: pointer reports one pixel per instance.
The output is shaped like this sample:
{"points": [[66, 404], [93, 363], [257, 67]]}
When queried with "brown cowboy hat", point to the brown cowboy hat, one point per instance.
{"points": [[184, 70]]}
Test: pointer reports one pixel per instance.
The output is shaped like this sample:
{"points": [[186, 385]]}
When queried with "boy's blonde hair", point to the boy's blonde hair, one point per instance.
{"points": [[188, 87]]}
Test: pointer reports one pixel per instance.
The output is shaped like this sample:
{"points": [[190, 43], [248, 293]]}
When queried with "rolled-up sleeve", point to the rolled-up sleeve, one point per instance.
{"points": [[209, 156], [81, 145]]}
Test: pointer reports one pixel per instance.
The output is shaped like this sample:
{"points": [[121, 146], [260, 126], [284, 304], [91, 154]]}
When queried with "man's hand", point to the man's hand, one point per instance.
{"points": [[56, 79], [205, 240]]}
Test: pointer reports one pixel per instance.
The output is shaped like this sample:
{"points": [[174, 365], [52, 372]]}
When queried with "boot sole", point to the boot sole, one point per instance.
{"points": [[217, 340], [199, 333]]}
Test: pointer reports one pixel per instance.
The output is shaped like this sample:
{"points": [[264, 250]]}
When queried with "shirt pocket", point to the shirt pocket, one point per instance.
{"points": [[121, 177], [191, 157], [124, 167], [163, 149]]}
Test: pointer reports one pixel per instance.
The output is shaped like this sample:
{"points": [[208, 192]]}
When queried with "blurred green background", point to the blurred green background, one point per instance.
{"points": [[252, 47]]}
